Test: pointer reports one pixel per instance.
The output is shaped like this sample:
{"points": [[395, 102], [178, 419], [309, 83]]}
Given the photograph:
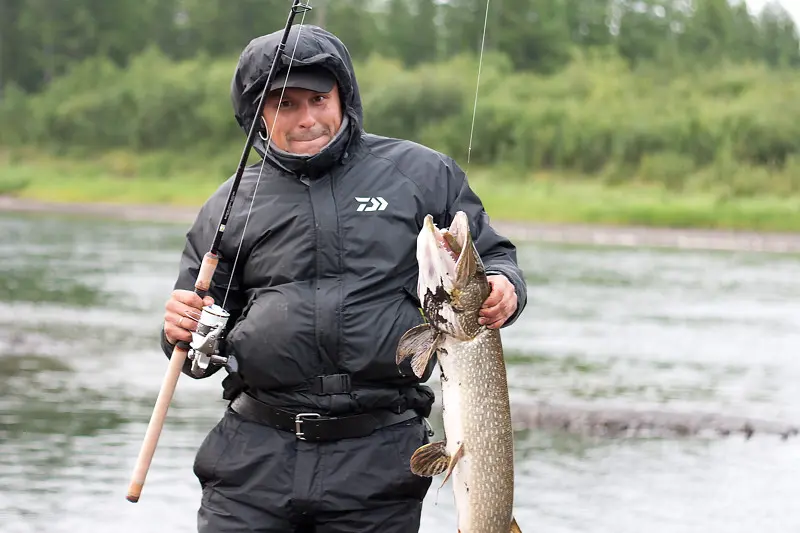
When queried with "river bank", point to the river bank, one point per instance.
{"points": [[580, 234], [548, 205]]}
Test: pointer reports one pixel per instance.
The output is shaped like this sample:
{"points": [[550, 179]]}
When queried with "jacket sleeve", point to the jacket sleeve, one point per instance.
{"points": [[498, 253], [198, 240]]}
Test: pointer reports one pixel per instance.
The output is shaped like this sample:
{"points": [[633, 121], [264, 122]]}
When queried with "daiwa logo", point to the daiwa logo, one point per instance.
{"points": [[371, 204]]}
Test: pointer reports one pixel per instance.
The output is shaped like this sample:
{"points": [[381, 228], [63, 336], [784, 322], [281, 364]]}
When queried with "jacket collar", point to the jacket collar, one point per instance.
{"points": [[313, 166]]}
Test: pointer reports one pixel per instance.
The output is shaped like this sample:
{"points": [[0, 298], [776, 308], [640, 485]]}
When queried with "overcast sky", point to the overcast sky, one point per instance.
{"points": [[792, 6]]}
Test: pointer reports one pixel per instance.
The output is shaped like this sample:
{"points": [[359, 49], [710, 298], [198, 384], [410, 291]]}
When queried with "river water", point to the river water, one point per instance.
{"points": [[82, 303]]}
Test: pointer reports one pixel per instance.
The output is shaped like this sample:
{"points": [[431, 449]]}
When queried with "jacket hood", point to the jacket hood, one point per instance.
{"points": [[315, 46]]}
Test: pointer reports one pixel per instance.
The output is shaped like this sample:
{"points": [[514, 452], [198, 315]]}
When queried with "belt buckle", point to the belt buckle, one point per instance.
{"points": [[298, 420]]}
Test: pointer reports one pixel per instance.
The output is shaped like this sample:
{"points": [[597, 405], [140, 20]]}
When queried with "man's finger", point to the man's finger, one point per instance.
{"points": [[492, 315], [489, 312], [496, 324], [180, 325], [493, 303], [182, 313], [189, 320], [192, 299], [175, 310], [174, 333], [500, 311], [493, 299]]}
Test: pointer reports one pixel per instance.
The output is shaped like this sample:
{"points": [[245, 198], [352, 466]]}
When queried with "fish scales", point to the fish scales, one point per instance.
{"points": [[476, 412]]}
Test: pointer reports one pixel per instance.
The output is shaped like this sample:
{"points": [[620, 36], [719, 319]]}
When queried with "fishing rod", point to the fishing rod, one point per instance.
{"points": [[203, 348]]}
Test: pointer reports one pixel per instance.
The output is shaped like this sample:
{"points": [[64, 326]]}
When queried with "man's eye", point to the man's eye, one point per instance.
{"points": [[286, 103]]}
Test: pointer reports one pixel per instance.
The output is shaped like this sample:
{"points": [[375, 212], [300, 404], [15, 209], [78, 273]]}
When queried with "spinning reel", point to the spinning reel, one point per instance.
{"points": [[204, 348]]}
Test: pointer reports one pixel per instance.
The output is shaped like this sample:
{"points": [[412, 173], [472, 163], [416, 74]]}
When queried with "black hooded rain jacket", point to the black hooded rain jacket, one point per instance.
{"points": [[326, 278]]}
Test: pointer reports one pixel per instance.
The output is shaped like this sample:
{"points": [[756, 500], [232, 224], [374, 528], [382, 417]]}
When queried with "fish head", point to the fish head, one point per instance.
{"points": [[452, 283]]}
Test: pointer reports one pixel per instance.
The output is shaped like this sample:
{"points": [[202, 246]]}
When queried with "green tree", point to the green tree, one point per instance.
{"points": [[41, 39], [410, 31], [426, 28], [588, 22], [647, 30], [223, 27], [778, 37], [709, 30], [353, 21], [744, 43], [15, 48], [535, 35], [399, 31], [462, 26]]}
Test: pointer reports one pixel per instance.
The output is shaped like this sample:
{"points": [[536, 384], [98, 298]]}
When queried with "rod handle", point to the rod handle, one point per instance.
{"points": [[156, 423], [207, 269], [168, 385]]}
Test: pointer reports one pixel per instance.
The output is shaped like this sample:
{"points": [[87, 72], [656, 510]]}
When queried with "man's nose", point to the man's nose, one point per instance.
{"points": [[307, 119]]}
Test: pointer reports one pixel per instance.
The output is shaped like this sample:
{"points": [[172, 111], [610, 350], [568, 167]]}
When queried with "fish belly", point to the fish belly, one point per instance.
{"points": [[476, 413]]}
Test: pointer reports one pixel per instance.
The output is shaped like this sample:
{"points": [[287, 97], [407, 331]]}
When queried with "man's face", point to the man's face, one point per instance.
{"points": [[306, 121]]}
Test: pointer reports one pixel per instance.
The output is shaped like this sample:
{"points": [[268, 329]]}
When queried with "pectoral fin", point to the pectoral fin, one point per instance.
{"points": [[514, 527], [430, 459], [419, 343]]}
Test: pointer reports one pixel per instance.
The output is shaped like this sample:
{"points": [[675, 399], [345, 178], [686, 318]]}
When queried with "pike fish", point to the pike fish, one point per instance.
{"points": [[477, 451]]}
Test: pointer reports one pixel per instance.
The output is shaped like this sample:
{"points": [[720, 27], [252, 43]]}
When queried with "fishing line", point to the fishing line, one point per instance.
{"points": [[267, 143], [478, 83]]}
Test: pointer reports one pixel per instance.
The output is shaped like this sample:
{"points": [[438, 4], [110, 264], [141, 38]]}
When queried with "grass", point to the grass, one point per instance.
{"points": [[561, 199], [179, 180], [116, 177]]}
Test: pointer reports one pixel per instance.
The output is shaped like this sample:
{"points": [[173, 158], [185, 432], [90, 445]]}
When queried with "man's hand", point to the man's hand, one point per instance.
{"points": [[500, 304], [182, 313]]}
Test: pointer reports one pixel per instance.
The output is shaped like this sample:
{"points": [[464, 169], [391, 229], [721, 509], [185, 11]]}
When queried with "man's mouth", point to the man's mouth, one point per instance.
{"points": [[309, 137]]}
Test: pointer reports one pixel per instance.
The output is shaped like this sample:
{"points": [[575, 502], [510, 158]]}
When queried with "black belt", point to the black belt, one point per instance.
{"points": [[314, 426]]}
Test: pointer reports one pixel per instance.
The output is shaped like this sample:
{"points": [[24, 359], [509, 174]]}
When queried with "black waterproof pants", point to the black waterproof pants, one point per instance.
{"points": [[259, 479]]}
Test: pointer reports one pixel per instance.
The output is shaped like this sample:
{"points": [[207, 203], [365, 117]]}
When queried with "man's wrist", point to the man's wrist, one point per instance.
{"points": [[497, 273]]}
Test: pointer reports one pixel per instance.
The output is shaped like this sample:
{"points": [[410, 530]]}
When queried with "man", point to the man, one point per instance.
{"points": [[322, 291]]}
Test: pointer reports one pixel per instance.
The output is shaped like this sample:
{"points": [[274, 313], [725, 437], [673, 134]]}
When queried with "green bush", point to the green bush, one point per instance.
{"points": [[735, 128]]}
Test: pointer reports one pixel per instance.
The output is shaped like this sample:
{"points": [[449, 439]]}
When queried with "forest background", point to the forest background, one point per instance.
{"points": [[678, 113]]}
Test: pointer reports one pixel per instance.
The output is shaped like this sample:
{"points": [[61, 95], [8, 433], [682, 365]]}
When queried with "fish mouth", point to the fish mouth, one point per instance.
{"points": [[447, 257]]}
